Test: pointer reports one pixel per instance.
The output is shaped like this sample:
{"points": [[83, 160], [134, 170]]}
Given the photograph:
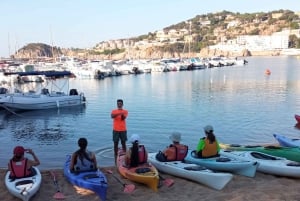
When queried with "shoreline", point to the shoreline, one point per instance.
{"points": [[262, 187]]}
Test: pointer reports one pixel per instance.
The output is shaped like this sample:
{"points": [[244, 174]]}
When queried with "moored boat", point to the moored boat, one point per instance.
{"points": [[24, 188], [224, 163], [290, 153], [287, 142], [92, 180], [145, 173], [267, 163], [199, 174]]}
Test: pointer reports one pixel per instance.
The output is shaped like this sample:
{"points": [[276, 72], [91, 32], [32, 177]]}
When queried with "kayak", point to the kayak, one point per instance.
{"points": [[24, 188], [297, 117], [92, 180], [290, 153], [199, 174], [224, 163], [268, 164], [287, 142], [145, 173]]}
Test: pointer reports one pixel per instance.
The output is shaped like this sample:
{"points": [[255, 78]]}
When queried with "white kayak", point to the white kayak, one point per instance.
{"points": [[268, 164], [24, 188], [287, 142], [224, 163], [199, 174]]}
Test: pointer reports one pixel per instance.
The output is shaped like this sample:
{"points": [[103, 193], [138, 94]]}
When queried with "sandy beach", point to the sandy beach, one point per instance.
{"points": [[263, 187]]}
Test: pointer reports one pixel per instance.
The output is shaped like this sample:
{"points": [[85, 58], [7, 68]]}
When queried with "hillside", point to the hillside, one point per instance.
{"points": [[190, 37]]}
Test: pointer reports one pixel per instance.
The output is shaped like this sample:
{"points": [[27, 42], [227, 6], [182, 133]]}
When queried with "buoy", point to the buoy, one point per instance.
{"points": [[267, 72]]}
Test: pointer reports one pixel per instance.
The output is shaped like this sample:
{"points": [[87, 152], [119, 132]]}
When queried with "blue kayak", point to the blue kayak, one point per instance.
{"points": [[91, 180], [287, 142]]}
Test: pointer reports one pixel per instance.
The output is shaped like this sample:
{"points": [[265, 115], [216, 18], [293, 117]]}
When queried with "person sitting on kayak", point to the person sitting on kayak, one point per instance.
{"points": [[137, 154], [83, 160], [175, 151], [208, 146], [20, 166]]}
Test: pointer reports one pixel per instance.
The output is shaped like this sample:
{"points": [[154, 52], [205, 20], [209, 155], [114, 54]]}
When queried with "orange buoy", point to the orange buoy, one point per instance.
{"points": [[267, 72]]}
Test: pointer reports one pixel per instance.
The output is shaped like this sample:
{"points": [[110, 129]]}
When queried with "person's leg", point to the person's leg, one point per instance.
{"points": [[116, 143], [123, 145], [123, 137], [116, 150]]}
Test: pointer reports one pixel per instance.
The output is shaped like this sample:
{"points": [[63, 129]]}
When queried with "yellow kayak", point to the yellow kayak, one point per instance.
{"points": [[145, 173]]}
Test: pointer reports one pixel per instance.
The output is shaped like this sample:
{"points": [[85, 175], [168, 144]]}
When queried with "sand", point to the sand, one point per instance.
{"points": [[262, 187]]}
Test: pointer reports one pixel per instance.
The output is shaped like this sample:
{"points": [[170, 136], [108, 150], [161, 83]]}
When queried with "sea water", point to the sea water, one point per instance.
{"points": [[242, 103]]}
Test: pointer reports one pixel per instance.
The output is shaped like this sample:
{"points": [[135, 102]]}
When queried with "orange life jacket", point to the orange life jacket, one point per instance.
{"points": [[19, 169], [210, 149], [176, 152]]}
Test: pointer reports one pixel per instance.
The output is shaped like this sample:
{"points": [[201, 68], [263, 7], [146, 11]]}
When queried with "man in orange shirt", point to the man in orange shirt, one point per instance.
{"points": [[119, 116]]}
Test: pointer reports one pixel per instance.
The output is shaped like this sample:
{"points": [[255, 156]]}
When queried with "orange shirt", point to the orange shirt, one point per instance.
{"points": [[119, 124]]}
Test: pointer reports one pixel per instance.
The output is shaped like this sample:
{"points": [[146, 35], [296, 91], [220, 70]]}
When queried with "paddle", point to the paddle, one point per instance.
{"points": [[168, 182], [58, 195], [128, 188]]}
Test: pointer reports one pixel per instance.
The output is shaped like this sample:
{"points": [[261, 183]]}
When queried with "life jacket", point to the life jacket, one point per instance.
{"points": [[210, 149], [85, 164], [19, 169], [143, 156], [176, 152]]}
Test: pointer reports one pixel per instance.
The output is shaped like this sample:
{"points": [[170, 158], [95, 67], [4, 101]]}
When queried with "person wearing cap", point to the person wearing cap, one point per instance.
{"points": [[83, 160], [20, 166], [175, 151], [119, 116], [208, 146], [137, 154]]}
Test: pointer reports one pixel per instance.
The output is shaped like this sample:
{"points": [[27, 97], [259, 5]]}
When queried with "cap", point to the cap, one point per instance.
{"points": [[175, 137], [134, 137], [19, 150], [208, 128]]}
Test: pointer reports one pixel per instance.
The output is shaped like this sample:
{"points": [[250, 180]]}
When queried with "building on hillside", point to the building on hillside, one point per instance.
{"points": [[276, 41]]}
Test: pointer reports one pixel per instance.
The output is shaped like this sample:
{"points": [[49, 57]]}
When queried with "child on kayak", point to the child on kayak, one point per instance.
{"points": [[175, 151], [137, 154], [20, 166], [82, 159], [208, 146]]}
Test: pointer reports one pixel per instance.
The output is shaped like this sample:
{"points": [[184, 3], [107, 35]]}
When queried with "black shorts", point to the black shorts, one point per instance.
{"points": [[119, 135]]}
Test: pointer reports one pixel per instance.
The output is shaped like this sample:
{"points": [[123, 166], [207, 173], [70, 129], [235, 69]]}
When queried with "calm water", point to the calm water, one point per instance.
{"points": [[243, 104]]}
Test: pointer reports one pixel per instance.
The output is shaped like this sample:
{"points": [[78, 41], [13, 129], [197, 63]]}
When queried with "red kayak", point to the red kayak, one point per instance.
{"points": [[297, 117]]}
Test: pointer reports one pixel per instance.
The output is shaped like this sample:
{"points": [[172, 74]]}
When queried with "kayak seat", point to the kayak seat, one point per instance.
{"points": [[273, 147], [235, 145], [252, 146], [142, 170], [222, 159], [262, 156], [293, 164], [90, 176], [23, 184], [195, 168]]}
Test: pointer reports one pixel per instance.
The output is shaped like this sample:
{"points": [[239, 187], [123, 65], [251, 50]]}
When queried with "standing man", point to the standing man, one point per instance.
{"points": [[119, 116]]}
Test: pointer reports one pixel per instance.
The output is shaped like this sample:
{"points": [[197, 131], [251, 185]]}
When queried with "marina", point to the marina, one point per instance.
{"points": [[244, 105]]}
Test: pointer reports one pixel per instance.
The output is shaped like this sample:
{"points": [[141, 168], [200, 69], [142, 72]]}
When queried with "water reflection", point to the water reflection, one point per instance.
{"points": [[46, 127]]}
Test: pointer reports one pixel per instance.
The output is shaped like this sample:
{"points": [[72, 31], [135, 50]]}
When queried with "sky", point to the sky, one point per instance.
{"points": [[84, 23]]}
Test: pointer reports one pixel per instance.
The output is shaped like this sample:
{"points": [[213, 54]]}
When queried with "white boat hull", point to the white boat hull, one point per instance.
{"points": [[24, 188], [269, 164], [40, 101], [192, 172]]}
